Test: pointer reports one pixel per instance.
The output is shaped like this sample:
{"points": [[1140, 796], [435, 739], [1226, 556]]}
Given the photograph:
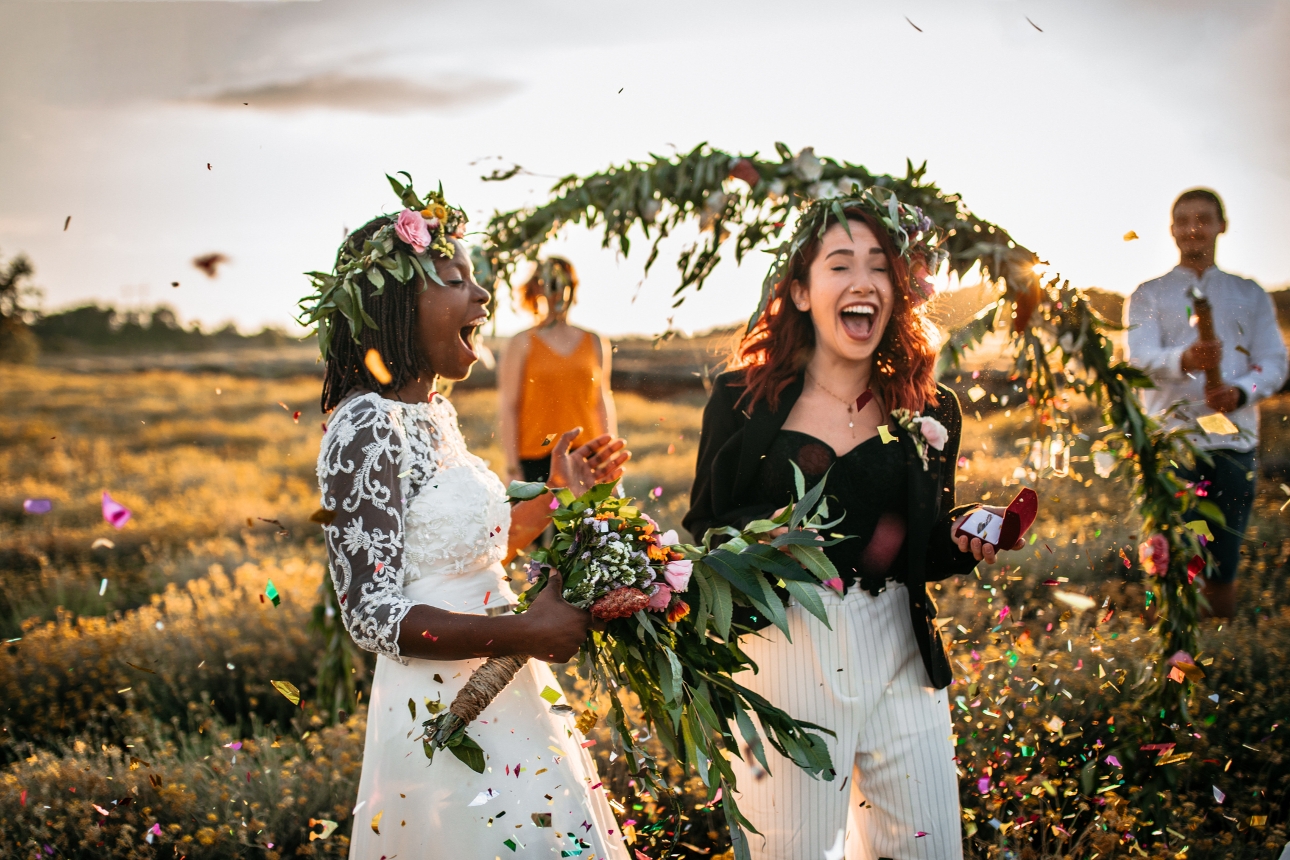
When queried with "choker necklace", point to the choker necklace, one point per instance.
{"points": [[852, 408]]}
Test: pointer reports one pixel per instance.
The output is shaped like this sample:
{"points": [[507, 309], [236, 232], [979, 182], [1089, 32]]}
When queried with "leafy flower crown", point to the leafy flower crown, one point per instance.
{"points": [[399, 249], [917, 239]]}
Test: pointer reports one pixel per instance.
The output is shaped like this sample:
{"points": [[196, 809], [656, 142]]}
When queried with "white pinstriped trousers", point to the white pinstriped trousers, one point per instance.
{"points": [[865, 680]]}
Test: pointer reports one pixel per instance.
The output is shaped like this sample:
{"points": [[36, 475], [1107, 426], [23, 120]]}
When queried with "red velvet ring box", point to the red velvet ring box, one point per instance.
{"points": [[1017, 518]]}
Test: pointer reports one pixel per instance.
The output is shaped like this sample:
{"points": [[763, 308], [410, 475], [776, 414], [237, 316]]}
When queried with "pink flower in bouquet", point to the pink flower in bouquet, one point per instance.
{"points": [[661, 597], [668, 538], [934, 432], [114, 512], [411, 228], [1153, 555], [678, 573]]}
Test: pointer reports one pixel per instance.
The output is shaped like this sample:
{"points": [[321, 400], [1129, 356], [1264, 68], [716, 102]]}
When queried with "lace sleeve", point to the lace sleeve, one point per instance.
{"points": [[358, 475]]}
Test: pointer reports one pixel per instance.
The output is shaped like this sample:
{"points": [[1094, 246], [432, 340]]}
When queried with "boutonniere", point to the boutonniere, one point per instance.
{"points": [[924, 430]]}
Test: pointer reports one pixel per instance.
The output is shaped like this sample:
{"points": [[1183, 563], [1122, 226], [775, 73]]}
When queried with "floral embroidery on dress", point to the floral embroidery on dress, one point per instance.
{"points": [[410, 501]]}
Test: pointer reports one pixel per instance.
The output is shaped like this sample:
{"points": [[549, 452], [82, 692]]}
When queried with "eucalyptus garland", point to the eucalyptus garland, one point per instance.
{"points": [[400, 250], [1060, 344]]}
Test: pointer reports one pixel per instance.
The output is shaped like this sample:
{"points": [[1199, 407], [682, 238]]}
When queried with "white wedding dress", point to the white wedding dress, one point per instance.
{"points": [[421, 520]]}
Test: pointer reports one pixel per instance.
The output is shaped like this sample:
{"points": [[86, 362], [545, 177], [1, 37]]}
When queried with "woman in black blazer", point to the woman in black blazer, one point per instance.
{"points": [[837, 378]]}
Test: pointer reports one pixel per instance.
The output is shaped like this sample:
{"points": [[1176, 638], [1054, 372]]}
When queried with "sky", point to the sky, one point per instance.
{"points": [[1067, 123]]}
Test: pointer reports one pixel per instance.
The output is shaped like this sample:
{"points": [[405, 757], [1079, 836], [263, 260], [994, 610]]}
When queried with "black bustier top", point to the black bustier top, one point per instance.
{"points": [[867, 486]]}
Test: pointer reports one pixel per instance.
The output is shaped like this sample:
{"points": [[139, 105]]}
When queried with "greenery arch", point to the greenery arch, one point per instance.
{"points": [[1059, 342]]}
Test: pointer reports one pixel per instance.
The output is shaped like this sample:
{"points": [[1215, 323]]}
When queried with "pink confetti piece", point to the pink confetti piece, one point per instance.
{"points": [[1004, 612], [116, 514], [593, 788], [835, 583], [589, 743], [155, 829], [983, 785], [920, 834], [1113, 761], [236, 745], [37, 506], [657, 492], [976, 657], [555, 503]]}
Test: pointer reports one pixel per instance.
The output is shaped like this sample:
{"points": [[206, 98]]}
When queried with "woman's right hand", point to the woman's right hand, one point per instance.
{"points": [[557, 629]]}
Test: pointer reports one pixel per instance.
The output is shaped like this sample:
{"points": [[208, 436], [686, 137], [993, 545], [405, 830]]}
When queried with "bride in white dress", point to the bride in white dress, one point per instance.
{"points": [[421, 530]]}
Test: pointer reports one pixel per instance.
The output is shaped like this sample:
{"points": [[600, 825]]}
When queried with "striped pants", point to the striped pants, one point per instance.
{"points": [[896, 792]]}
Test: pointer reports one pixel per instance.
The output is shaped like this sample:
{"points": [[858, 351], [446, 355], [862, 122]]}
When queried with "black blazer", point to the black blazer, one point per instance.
{"points": [[732, 443]]}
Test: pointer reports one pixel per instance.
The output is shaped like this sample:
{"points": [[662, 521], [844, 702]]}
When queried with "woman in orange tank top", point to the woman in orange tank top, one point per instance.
{"points": [[552, 377]]}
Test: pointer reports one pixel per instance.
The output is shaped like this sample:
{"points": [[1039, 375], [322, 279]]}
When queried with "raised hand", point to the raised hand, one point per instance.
{"points": [[597, 462]]}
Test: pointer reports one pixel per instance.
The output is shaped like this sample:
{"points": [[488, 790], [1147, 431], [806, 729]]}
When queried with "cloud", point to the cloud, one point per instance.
{"points": [[363, 94]]}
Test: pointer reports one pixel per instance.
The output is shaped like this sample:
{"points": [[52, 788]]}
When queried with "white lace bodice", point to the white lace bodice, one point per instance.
{"points": [[410, 501]]}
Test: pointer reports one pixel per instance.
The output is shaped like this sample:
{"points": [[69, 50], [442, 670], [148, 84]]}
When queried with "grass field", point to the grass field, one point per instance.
{"points": [[137, 665]]}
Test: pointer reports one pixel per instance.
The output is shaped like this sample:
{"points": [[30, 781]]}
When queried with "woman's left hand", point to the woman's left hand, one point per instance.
{"points": [[597, 462], [980, 550]]}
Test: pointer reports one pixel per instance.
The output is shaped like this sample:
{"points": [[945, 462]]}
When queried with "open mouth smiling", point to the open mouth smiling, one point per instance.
{"points": [[469, 333], [858, 320]]}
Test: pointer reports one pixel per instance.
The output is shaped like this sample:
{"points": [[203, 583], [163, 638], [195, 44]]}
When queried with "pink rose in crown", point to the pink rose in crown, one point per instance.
{"points": [[678, 573], [661, 597], [411, 228], [934, 432]]}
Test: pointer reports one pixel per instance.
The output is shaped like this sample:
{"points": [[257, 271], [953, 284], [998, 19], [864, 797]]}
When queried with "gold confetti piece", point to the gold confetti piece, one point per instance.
{"points": [[376, 367], [376, 819], [102, 542], [412, 707], [586, 721], [550, 437], [1258, 820], [328, 828], [126, 690], [539, 771], [1217, 424], [1172, 759], [556, 750], [975, 393], [140, 668], [287, 689], [885, 434], [550, 695], [1130, 236], [541, 819], [1201, 528]]}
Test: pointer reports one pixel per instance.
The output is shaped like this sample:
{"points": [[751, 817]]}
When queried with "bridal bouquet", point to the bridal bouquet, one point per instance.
{"points": [[670, 633]]}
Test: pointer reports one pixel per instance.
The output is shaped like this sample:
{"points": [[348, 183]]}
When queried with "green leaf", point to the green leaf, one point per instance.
{"points": [[722, 606], [751, 736], [809, 596], [738, 572], [470, 753], [1210, 511], [815, 561], [522, 491]]}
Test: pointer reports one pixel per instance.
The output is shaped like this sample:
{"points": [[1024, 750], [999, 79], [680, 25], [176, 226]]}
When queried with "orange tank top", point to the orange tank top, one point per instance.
{"points": [[557, 393]]}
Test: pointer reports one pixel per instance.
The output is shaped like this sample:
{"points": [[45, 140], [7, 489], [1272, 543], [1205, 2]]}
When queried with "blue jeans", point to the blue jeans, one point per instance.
{"points": [[1231, 488]]}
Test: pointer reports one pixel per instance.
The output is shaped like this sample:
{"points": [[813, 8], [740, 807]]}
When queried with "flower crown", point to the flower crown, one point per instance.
{"points": [[917, 239], [399, 249]]}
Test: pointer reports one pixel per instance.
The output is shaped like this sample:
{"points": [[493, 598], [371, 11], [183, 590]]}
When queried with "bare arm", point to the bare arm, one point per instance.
{"points": [[509, 379]]}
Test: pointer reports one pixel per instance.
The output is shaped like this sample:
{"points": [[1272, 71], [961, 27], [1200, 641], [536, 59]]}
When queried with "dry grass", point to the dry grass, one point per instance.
{"points": [[185, 575]]}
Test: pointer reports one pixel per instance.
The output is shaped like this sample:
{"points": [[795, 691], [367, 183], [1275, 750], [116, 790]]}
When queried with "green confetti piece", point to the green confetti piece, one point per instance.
{"points": [[412, 708], [512, 844], [552, 696], [1013, 658], [271, 592]]}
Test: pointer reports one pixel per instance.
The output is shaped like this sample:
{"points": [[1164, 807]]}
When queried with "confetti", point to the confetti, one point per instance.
{"points": [[376, 367], [67, 223], [1130, 236], [586, 721], [1219, 796], [140, 668], [37, 506], [287, 689], [552, 696], [975, 393], [328, 828], [885, 434], [1201, 528], [484, 796], [376, 822], [1217, 424], [548, 439], [103, 586], [1194, 567], [322, 516], [116, 514], [657, 492], [271, 592], [541, 819]]}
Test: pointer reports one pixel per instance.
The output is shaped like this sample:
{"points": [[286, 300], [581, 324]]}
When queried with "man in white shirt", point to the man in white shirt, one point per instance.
{"points": [[1249, 355]]}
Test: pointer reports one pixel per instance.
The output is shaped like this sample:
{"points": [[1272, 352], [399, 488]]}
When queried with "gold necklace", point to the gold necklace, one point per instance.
{"points": [[855, 408]]}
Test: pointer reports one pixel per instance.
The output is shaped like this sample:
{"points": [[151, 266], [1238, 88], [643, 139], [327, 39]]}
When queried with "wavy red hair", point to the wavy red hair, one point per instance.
{"points": [[782, 340]]}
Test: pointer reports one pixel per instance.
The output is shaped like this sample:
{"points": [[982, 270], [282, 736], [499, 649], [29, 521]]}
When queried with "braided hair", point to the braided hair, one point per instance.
{"points": [[395, 336]]}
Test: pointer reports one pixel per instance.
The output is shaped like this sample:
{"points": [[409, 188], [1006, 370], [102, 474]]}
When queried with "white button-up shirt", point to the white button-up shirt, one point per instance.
{"points": [[1160, 329]]}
